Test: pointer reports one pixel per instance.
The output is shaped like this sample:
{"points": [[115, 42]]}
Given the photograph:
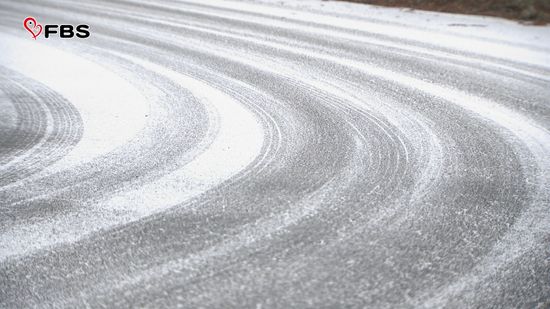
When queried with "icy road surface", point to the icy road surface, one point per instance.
{"points": [[273, 154]]}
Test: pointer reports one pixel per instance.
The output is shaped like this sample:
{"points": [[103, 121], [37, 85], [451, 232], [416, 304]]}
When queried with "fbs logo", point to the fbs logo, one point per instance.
{"points": [[63, 31]]}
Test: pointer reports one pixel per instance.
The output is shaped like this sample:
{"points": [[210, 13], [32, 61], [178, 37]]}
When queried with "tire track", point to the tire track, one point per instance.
{"points": [[40, 127], [384, 163]]}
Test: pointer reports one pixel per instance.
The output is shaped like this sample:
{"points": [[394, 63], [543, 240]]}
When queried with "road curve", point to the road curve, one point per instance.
{"points": [[268, 154]]}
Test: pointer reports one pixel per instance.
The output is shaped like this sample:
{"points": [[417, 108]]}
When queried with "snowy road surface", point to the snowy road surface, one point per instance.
{"points": [[272, 154]]}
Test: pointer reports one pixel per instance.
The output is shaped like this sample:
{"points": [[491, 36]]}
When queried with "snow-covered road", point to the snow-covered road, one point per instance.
{"points": [[272, 154]]}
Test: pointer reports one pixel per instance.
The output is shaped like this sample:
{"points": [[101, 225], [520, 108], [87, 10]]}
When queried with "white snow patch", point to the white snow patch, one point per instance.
{"points": [[112, 110], [238, 142]]}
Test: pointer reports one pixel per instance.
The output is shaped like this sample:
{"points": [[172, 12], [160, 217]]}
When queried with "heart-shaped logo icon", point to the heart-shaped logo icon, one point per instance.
{"points": [[32, 26]]}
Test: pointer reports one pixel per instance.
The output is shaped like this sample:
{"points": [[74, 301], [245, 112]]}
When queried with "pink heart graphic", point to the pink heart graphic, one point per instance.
{"points": [[32, 26]]}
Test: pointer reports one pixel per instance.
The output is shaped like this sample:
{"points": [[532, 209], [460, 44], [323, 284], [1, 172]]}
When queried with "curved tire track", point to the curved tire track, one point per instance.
{"points": [[293, 155]]}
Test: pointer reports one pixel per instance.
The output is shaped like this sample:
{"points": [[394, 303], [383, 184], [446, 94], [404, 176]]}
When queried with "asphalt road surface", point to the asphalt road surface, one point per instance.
{"points": [[311, 154]]}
